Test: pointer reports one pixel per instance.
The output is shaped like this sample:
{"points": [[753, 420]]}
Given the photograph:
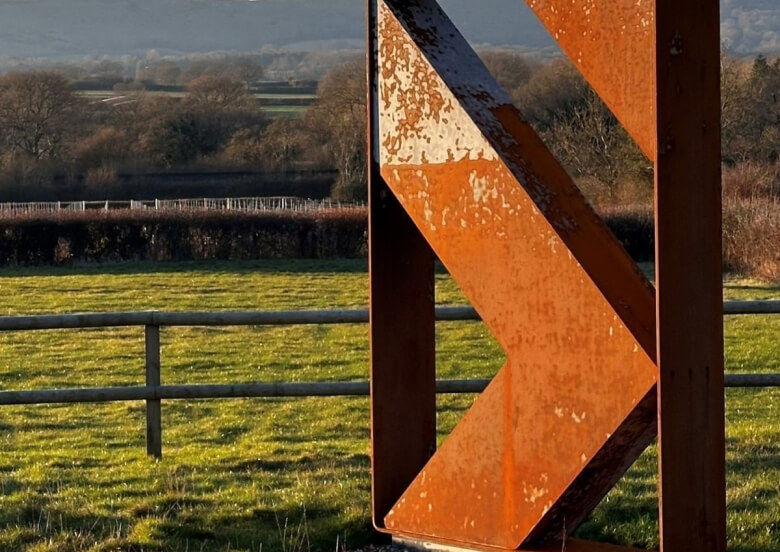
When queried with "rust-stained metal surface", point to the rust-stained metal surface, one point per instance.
{"points": [[612, 42], [688, 268], [569, 307], [403, 347], [577, 400]]}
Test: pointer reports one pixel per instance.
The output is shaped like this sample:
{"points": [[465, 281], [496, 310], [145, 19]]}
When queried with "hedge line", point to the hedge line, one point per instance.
{"points": [[179, 236], [198, 235]]}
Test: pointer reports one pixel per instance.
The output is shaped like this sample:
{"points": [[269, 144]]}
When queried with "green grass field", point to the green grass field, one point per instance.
{"points": [[246, 475]]}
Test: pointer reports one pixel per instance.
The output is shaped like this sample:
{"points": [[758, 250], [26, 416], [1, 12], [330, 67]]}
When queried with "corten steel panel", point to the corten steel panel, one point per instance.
{"points": [[612, 42], [574, 405], [403, 348], [688, 257], [402, 327]]}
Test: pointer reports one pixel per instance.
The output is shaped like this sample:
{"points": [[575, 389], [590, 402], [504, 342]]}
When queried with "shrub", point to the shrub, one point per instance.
{"points": [[102, 236], [751, 180], [634, 227], [751, 237], [100, 179], [751, 219]]}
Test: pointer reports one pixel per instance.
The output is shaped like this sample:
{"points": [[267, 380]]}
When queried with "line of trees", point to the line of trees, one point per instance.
{"points": [[593, 146], [271, 62], [46, 127], [562, 108], [108, 74]]}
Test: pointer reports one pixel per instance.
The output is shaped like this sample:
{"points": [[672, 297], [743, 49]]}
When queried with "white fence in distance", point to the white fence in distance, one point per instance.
{"points": [[248, 204]]}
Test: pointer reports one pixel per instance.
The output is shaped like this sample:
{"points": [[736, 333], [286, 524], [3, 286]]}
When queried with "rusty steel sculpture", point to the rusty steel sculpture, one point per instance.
{"points": [[598, 361]]}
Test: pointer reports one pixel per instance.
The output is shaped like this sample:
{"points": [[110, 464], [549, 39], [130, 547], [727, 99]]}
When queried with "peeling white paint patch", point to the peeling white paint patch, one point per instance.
{"points": [[480, 188], [421, 118], [532, 493]]}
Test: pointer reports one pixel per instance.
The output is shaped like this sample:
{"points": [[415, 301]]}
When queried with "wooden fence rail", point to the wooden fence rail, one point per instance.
{"points": [[153, 392]]}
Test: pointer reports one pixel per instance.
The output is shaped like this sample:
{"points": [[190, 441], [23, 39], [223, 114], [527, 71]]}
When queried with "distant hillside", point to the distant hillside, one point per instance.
{"points": [[68, 28], [60, 29]]}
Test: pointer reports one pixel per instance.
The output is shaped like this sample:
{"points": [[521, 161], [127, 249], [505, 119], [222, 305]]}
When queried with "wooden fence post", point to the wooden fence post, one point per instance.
{"points": [[153, 406]]}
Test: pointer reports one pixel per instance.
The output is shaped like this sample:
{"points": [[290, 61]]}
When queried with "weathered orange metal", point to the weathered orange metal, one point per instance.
{"points": [[688, 270], [575, 403], [569, 307], [403, 348], [613, 44], [403, 340]]}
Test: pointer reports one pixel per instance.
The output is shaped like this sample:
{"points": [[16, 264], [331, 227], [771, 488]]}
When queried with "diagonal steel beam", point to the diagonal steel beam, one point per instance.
{"points": [[613, 44], [574, 405]]}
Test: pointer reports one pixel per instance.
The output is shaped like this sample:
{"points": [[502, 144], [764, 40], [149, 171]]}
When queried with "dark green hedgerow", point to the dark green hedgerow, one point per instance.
{"points": [[635, 229], [196, 235], [180, 235]]}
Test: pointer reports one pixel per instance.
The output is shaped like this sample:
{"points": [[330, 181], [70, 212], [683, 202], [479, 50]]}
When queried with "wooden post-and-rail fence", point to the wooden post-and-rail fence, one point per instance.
{"points": [[153, 392]]}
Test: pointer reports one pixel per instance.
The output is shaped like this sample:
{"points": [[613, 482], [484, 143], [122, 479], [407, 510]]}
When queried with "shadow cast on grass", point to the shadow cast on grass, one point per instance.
{"points": [[125, 268], [306, 462], [286, 528]]}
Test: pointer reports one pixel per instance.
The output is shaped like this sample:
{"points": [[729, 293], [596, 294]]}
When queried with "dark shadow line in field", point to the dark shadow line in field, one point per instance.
{"points": [[306, 462], [324, 524], [125, 268]]}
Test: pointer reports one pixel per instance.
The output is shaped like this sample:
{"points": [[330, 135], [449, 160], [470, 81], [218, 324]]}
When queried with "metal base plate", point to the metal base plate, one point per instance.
{"points": [[572, 545]]}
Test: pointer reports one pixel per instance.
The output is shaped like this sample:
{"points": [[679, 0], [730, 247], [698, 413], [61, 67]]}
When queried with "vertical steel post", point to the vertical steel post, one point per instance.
{"points": [[402, 329], [689, 278], [153, 406]]}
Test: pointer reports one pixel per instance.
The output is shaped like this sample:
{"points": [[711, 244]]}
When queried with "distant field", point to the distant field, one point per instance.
{"points": [[76, 478], [105, 94], [275, 104], [284, 110]]}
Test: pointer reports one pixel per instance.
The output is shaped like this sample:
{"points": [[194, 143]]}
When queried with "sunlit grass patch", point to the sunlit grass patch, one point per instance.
{"points": [[234, 472]]}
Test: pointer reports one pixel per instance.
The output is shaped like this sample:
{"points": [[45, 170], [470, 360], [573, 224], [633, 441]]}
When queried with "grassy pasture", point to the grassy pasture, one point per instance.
{"points": [[246, 475]]}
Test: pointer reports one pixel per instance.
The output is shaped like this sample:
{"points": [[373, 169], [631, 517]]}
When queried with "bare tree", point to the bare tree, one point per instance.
{"points": [[750, 109], [592, 144], [552, 92], [581, 131], [238, 68], [166, 72], [245, 70], [38, 112], [338, 122], [282, 144], [215, 93], [213, 111], [733, 101], [510, 69]]}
